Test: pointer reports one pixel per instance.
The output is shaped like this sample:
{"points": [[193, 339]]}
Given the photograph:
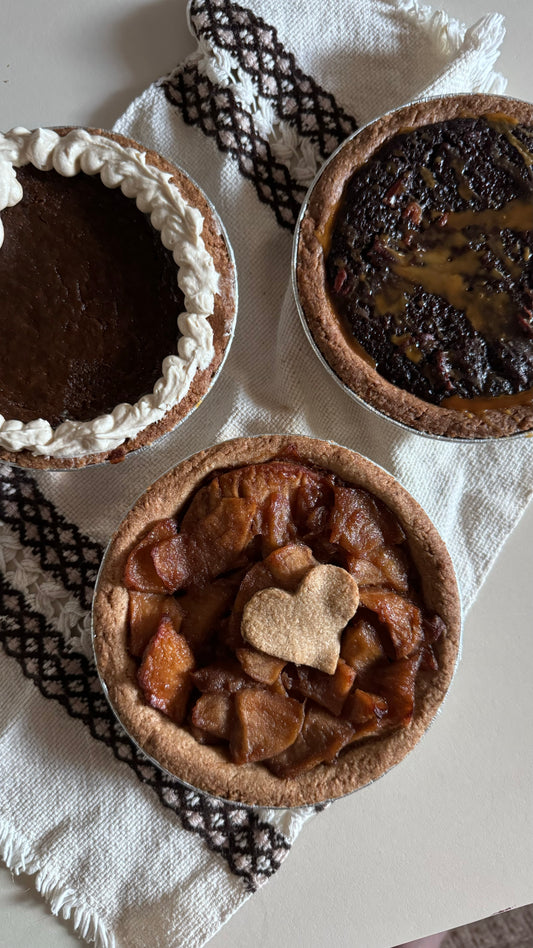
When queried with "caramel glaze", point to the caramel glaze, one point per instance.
{"points": [[324, 237], [88, 300], [478, 406], [444, 264], [429, 262]]}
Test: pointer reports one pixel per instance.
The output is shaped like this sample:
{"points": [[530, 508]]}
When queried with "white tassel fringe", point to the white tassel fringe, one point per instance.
{"points": [[63, 901], [453, 39]]}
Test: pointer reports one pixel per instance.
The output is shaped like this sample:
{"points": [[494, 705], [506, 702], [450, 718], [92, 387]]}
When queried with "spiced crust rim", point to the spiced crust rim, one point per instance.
{"points": [[320, 321], [222, 320], [204, 767]]}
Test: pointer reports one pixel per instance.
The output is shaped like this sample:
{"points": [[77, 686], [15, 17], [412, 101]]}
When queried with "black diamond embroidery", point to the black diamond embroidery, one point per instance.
{"points": [[60, 547], [296, 99], [252, 848]]}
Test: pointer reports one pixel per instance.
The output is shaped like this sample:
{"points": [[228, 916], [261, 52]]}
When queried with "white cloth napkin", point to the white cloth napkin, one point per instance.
{"points": [[130, 855]]}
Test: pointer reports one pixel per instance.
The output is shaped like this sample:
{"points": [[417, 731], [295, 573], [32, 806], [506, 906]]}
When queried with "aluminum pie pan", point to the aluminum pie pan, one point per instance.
{"points": [[25, 460], [427, 104], [117, 669]]}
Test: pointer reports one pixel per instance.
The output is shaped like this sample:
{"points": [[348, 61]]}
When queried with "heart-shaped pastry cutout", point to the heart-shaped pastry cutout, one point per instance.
{"points": [[303, 627]]}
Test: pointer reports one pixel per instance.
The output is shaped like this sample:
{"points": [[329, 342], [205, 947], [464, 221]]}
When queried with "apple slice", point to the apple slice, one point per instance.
{"points": [[311, 506], [208, 548], [260, 666], [224, 676], [366, 711], [396, 683], [382, 566], [203, 608], [164, 673], [401, 617], [330, 691], [265, 724], [145, 613], [140, 572], [289, 564], [361, 645], [320, 740], [277, 526], [354, 521], [212, 715]]}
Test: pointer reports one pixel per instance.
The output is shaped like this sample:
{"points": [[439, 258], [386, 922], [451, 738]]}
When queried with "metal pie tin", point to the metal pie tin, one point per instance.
{"points": [[207, 769], [460, 104]]}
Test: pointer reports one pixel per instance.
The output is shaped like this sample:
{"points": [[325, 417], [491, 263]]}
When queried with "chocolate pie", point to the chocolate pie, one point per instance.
{"points": [[276, 621], [118, 296], [414, 271]]}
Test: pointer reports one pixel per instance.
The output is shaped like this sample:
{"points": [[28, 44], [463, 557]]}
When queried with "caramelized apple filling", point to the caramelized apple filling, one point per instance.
{"points": [[280, 616]]}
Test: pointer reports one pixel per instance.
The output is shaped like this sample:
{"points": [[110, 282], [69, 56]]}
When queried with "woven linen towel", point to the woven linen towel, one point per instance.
{"points": [[130, 855]]}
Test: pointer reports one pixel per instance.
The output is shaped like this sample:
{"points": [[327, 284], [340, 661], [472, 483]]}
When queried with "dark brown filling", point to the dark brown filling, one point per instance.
{"points": [[430, 262], [89, 300]]}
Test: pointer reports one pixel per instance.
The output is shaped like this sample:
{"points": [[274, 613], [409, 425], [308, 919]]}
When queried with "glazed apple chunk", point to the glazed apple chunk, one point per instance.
{"points": [[261, 535]]}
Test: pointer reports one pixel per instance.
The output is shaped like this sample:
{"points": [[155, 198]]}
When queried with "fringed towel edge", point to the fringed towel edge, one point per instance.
{"points": [[63, 901]]}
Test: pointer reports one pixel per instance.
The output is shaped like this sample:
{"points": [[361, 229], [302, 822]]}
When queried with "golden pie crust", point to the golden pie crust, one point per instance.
{"points": [[339, 350], [222, 322], [206, 767]]}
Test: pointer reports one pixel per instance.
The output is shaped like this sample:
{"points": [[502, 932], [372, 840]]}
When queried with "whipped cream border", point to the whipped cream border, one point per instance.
{"points": [[180, 227]]}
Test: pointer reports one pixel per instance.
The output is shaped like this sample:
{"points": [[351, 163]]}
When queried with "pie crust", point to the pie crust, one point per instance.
{"points": [[205, 767], [221, 320], [335, 345]]}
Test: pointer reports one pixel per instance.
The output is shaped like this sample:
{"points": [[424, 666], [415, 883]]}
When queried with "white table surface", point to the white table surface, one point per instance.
{"points": [[71, 62]]}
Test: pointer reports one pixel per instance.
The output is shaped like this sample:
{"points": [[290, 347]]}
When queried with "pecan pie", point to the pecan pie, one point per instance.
{"points": [[414, 272], [276, 621], [118, 296]]}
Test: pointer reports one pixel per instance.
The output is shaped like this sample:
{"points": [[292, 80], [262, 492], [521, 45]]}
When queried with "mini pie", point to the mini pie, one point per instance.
{"points": [[197, 675], [414, 273], [118, 296]]}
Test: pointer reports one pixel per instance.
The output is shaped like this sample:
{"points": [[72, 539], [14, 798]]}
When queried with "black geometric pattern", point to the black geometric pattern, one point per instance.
{"points": [[295, 97], [252, 848], [59, 546], [218, 114], [254, 44]]}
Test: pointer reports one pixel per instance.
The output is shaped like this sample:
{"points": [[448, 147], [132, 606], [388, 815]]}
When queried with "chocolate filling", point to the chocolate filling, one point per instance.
{"points": [[430, 264], [89, 300]]}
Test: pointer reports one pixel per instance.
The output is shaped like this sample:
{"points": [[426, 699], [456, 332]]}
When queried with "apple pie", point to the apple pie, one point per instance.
{"points": [[276, 621]]}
